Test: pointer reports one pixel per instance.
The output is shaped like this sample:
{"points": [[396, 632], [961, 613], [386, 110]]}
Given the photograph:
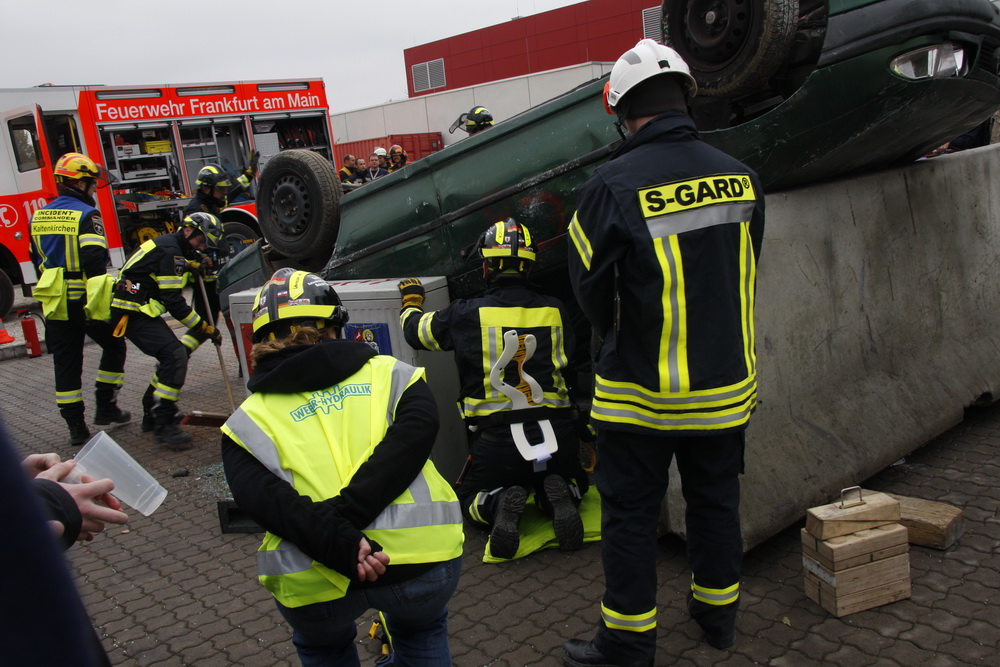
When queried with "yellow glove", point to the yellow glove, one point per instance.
{"points": [[193, 266], [412, 292], [211, 332]]}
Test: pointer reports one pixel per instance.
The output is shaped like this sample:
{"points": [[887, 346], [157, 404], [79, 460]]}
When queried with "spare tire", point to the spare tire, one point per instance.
{"points": [[299, 204], [733, 47]]}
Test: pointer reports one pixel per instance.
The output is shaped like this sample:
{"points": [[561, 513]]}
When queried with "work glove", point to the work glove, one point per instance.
{"points": [[193, 266], [412, 292], [211, 332]]}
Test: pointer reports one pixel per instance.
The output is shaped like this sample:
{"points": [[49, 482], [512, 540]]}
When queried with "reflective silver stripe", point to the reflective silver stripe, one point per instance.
{"points": [[715, 419], [580, 241], [401, 375], [422, 512], [674, 319], [192, 319], [256, 441], [483, 408], [709, 399], [709, 216], [170, 282], [425, 334], [125, 305], [286, 559]]}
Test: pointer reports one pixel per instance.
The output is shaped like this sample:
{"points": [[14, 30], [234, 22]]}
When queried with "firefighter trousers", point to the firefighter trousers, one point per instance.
{"points": [[632, 476], [156, 339], [64, 340]]}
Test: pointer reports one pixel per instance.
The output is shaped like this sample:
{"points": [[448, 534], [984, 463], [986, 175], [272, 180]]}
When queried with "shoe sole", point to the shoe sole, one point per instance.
{"points": [[504, 538], [566, 521]]}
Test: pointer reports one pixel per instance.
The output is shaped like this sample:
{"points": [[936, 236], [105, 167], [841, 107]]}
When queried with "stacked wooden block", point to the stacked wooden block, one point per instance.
{"points": [[855, 554]]}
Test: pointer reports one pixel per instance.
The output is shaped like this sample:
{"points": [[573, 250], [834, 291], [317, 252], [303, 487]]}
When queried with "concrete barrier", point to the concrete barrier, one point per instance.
{"points": [[878, 322]]}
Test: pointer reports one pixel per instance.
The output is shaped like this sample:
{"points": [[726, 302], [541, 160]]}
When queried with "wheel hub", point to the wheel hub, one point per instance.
{"points": [[291, 206], [716, 30]]}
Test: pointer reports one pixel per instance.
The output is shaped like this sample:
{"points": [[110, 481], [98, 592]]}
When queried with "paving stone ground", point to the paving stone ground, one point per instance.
{"points": [[172, 589]]}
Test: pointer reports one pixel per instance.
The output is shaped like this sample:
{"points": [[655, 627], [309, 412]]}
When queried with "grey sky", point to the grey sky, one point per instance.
{"points": [[356, 46]]}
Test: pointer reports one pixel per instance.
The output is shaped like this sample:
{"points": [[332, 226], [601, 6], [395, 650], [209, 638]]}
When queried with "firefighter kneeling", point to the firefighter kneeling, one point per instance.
{"points": [[149, 285], [511, 346]]}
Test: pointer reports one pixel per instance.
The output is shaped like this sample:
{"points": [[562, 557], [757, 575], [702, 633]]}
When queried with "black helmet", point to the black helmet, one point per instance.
{"points": [[207, 224], [478, 118], [213, 176], [506, 246], [291, 299]]}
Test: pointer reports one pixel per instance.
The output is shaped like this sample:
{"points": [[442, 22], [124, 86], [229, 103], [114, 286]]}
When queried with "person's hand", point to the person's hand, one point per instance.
{"points": [[412, 292], [370, 565], [211, 332], [92, 497], [38, 463], [193, 266]]}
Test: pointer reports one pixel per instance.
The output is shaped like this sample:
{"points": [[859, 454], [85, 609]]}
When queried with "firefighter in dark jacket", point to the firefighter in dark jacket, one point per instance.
{"points": [[330, 455], [512, 347], [212, 196], [70, 252], [666, 241], [150, 284]]}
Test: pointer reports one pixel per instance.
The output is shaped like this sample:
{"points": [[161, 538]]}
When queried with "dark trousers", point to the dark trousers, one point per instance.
{"points": [[496, 463], [155, 339], [65, 339], [632, 476]]}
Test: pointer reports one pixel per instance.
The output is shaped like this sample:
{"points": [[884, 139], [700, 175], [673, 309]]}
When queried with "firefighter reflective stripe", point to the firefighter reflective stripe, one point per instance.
{"points": [[166, 392], [110, 377], [715, 596], [673, 336], [581, 242], [475, 509], [424, 328], [55, 233], [748, 277], [170, 282], [76, 288], [629, 622], [192, 319], [190, 342], [146, 248], [67, 397], [93, 240], [720, 408], [493, 322]]}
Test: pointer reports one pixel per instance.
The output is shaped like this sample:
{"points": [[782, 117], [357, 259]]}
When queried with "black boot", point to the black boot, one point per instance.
{"points": [[147, 410], [110, 413], [566, 521], [717, 622], [172, 436], [504, 538], [78, 431], [583, 653]]}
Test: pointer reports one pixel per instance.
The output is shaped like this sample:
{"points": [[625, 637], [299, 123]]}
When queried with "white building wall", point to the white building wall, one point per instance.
{"points": [[436, 112]]}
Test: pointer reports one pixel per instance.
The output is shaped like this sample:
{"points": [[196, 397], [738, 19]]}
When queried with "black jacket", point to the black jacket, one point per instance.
{"points": [[666, 240], [329, 531], [157, 270]]}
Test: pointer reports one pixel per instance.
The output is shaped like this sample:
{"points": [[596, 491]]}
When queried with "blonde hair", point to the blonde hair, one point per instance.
{"points": [[304, 335]]}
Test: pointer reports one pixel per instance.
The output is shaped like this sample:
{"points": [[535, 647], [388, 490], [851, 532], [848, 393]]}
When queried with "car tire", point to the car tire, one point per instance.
{"points": [[238, 236], [733, 47], [299, 204], [6, 294]]}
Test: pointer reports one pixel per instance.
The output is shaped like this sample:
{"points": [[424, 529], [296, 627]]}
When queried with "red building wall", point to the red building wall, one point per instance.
{"points": [[595, 30]]}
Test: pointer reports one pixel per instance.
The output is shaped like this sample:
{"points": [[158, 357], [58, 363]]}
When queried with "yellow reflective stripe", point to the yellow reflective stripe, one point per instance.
{"points": [[190, 342], [124, 304], [192, 320], [425, 334], [481, 407], [748, 276], [67, 397], [317, 312], [629, 622], [715, 596], [625, 413], [93, 240], [143, 250], [673, 368], [110, 377], [702, 399], [170, 282], [167, 392], [580, 242], [474, 508]]}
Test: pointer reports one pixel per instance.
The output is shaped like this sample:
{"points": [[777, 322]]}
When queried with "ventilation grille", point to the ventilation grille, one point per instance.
{"points": [[651, 24], [429, 75]]}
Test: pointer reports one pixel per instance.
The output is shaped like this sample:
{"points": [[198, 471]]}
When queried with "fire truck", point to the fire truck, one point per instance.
{"points": [[153, 140]]}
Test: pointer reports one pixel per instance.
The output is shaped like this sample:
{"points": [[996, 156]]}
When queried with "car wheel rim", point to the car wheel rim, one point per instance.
{"points": [[291, 205], [716, 30]]}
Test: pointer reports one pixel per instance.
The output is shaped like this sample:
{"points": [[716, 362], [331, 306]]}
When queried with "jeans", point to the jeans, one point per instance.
{"points": [[415, 613]]}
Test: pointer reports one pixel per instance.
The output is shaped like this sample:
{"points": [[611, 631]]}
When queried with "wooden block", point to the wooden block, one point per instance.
{"points": [[836, 519], [860, 578], [865, 546], [842, 605], [931, 524]]}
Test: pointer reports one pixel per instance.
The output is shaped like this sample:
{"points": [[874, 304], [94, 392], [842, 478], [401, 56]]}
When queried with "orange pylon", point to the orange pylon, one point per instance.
{"points": [[4, 336]]}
